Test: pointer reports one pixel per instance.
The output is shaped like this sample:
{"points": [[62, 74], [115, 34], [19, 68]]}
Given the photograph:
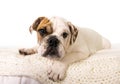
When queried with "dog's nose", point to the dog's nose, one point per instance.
{"points": [[53, 41]]}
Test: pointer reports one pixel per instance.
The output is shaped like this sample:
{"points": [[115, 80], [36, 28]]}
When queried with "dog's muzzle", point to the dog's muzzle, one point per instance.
{"points": [[53, 41], [52, 48]]}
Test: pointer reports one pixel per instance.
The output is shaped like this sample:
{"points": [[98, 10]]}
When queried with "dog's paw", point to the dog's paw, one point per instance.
{"points": [[56, 72], [25, 51]]}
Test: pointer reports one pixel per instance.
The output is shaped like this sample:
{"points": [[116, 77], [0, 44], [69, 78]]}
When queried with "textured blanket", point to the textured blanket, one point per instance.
{"points": [[100, 68]]}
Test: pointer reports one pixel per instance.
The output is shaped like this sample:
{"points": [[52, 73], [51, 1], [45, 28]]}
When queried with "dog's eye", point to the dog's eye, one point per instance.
{"points": [[64, 34], [42, 32]]}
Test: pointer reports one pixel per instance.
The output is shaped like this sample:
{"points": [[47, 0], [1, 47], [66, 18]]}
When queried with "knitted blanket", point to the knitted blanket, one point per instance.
{"points": [[100, 68]]}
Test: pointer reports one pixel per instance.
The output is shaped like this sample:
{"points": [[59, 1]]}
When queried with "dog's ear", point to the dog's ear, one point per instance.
{"points": [[73, 31], [36, 23]]}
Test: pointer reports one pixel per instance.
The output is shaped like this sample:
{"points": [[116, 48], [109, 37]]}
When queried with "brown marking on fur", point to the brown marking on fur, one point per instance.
{"points": [[74, 33], [45, 23], [27, 51], [40, 23], [49, 30], [37, 22], [70, 28]]}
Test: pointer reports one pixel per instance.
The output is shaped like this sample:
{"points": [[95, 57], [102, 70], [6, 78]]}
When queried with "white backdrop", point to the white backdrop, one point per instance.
{"points": [[17, 15]]}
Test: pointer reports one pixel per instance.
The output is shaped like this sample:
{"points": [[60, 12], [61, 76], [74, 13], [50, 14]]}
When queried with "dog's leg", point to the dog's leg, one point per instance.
{"points": [[28, 51], [58, 68], [56, 71]]}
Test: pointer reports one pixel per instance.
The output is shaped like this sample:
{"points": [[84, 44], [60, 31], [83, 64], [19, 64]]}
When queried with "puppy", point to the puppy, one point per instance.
{"points": [[64, 43]]}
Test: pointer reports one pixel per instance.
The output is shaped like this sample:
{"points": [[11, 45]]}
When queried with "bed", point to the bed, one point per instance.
{"points": [[100, 68]]}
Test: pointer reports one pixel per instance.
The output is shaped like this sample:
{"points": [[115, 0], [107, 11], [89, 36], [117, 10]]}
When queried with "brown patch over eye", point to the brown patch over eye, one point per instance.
{"points": [[42, 26], [42, 32], [45, 27], [36, 23], [44, 23], [49, 28]]}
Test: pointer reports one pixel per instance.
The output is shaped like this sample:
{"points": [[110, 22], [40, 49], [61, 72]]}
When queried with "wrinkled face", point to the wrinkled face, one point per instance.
{"points": [[55, 35]]}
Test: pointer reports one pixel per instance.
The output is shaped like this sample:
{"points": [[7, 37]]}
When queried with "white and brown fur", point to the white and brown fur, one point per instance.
{"points": [[65, 43]]}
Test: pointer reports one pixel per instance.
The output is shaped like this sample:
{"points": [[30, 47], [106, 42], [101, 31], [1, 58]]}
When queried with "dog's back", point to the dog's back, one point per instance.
{"points": [[93, 40]]}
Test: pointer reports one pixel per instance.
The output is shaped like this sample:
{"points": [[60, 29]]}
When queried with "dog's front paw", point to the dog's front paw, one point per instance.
{"points": [[25, 51], [57, 71]]}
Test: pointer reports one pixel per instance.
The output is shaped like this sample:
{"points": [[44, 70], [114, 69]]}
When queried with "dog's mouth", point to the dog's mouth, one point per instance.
{"points": [[51, 52], [52, 47]]}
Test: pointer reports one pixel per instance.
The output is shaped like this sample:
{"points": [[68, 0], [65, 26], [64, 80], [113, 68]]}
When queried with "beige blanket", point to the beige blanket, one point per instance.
{"points": [[101, 68]]}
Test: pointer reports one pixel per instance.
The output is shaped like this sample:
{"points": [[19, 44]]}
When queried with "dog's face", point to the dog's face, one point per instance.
{"points": [[55, 36]]}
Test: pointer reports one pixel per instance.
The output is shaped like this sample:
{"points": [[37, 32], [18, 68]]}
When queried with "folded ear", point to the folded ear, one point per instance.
{"points": [[73, 31], [35, 24]]}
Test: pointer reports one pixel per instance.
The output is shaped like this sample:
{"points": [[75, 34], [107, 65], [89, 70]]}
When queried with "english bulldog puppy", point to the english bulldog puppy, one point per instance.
{"points": [[63, 43]]}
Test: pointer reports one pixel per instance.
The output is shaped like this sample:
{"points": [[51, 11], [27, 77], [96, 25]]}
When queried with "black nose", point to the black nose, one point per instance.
{"points": [[53, 41]]}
